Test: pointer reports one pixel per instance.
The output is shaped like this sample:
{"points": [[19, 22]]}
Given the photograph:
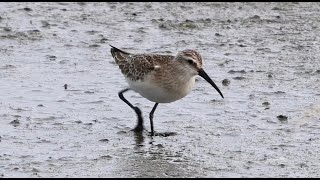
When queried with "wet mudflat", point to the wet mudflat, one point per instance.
{"points": [[263, 56]]}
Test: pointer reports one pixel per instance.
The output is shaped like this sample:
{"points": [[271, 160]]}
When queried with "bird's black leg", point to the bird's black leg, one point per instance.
{"points": [[139, 127], [151, 117]]}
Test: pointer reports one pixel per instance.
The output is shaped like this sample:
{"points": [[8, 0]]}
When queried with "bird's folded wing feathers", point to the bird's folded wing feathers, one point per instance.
{"points": [[137, 66]]}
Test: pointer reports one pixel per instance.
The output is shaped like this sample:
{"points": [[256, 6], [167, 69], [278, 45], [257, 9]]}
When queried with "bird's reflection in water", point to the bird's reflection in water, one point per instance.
{"points": [[139, 138]]}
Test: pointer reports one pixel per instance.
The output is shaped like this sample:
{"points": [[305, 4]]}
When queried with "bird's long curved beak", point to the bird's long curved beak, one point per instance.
{"points": [[205, 76]]}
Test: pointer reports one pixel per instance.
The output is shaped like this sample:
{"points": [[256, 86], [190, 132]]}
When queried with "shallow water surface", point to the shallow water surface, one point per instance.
{"points": [[263, 56]]}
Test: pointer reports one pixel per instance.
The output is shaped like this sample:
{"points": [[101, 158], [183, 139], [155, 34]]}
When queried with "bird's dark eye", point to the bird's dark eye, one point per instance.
{"points": [[190, 61]]}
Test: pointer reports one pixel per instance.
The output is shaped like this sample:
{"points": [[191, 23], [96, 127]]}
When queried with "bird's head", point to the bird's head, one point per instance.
{"points": [[192, 63]]}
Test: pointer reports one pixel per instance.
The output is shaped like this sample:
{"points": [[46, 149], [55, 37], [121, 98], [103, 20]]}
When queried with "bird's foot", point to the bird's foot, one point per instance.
{"points": [[138, 129]]}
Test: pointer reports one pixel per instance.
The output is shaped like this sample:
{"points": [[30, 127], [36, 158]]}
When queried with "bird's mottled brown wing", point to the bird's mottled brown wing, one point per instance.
{"points": [[137, 66]]}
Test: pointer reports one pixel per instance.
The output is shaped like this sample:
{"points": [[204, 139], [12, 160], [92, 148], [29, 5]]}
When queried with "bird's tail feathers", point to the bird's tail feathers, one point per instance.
{"points": [[118, 54]]}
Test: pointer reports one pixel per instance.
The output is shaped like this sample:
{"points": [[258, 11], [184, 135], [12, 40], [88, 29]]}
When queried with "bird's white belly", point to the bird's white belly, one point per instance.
{"points": [[155, 93]]}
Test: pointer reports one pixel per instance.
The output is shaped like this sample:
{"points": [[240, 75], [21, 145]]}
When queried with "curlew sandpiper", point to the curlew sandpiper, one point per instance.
{"points": [[159, 78]]}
